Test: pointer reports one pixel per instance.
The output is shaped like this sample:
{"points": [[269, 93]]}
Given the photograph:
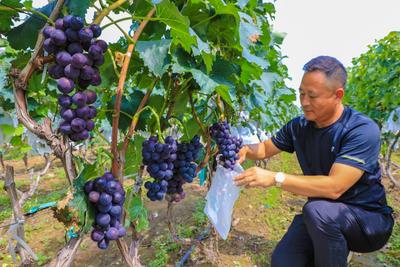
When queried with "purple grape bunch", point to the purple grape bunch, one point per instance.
{"points": [[185, 168], [159, 159], [228, 145], [108, 196], [78, 55]]}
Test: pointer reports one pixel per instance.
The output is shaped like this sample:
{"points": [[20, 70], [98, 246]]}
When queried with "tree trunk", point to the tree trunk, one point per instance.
{"points": [[9, 185]]}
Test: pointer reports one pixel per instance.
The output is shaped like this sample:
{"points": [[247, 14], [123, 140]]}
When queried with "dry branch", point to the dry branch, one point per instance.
{"points": [[35, 182]]}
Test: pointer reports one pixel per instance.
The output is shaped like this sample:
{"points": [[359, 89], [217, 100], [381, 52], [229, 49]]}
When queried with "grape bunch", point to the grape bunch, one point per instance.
{"points": [[185, 168], [108, 196], [159, 160], [78, 54], [228, 145]]}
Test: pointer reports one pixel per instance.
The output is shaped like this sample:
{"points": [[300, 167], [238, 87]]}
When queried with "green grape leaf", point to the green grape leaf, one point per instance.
{"points": [[155, 55], [24, 36], [78, 7]]}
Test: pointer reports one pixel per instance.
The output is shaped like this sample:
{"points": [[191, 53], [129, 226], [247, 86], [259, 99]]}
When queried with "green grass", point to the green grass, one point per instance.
{"points": [[164, 247], [200, 218], [36, 200]]}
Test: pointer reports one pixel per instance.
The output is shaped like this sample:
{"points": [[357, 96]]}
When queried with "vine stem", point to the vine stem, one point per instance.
{"points": [[220, 107], [107, 11], [196, 117], [121, 82], [135, 119], [126, 35]]}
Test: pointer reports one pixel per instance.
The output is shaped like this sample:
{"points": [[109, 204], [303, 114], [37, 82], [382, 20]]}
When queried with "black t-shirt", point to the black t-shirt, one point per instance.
{"points": [[353, 140]]}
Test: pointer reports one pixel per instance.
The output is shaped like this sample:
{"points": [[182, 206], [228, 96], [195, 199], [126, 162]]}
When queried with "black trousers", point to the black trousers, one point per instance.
{"points": [[323, 235]]}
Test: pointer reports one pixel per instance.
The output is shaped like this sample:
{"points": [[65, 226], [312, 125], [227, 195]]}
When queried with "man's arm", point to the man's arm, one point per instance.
{"points": [[341, 177], [258, 151]]}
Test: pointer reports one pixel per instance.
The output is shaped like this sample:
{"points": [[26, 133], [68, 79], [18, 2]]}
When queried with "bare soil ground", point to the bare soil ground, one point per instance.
{"points": [[260, 219]]}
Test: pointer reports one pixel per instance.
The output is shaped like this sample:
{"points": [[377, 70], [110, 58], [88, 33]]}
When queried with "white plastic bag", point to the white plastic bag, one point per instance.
{"points": [[221, 198]]}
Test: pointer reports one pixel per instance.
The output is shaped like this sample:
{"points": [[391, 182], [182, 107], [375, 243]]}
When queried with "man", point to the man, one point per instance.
{"points": [[337, 148]]}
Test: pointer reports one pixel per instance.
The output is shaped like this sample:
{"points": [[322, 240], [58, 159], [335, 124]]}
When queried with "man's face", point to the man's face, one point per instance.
{"points": [[318, 100]]}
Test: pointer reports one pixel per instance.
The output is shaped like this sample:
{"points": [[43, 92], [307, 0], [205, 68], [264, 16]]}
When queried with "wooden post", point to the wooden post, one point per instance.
{"points": [[9, 186]]}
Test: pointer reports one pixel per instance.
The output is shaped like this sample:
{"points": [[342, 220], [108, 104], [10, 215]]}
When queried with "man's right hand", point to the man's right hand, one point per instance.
{"points": [[242, 154]]}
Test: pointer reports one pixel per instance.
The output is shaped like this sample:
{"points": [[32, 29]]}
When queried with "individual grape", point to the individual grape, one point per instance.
{"points": [[79, 60], [89, 125], [59, 24], [76, 23], [71, 72], [78, 125], [49, 46], [95, 51], [85, 35], [96, 30], [105, 199], [47, 31], [100, 184], [94, 196], [99, 61], [108, 176], [121, 231], [92, 112], [65, 127], [97, 235], [112, 233], [96, 79], [67, 21], [111, 187], [115, 211], [83, 113], [103, 244], [91, 96], [58, 37], [67, 114], [74, 48], [83, 135], [72, 36], [102, 44], [102, 219], [88, 186], [104, 208], [56, 71], [65, 85], [86, 73], [118, 198], [63, 58], [79, 99]]}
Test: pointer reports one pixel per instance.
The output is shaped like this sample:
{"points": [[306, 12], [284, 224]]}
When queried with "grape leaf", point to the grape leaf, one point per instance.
{"points": [[155, 55], [137, 212], [169, 14], [133, 157], [78, 7], [25, 35], [80, 204], [7, 16]]}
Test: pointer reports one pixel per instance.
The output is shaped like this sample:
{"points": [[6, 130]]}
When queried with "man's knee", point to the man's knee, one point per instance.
{"points": [[313, 210]]}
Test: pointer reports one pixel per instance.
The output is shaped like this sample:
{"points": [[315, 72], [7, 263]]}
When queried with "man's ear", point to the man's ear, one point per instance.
{"points": [[340, 93]]}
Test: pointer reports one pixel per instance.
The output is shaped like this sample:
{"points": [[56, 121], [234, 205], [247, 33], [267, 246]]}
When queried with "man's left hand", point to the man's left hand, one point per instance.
{"points": [[254, 177]]}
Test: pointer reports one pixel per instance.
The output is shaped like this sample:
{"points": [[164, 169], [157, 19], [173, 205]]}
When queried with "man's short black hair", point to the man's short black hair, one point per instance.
{"points": [[333, 68]]}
